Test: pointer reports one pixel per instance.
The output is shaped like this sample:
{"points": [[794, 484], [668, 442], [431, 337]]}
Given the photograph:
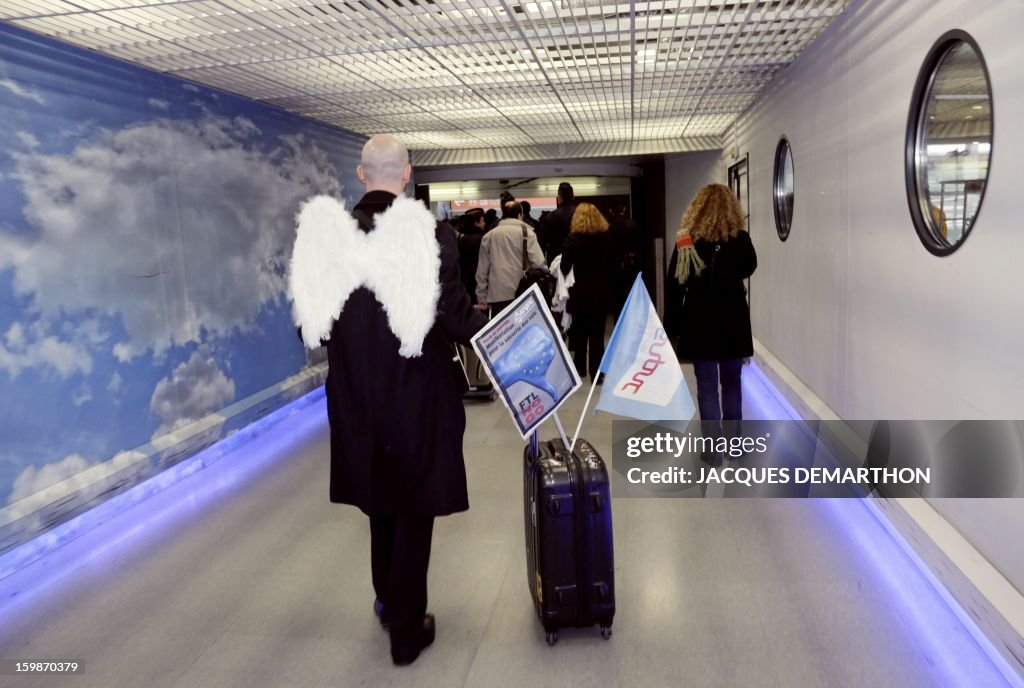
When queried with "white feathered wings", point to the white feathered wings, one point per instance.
{"points": [[399, 262]]}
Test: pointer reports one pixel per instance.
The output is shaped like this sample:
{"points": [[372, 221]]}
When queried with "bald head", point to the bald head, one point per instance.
{"points": [[385, 165]]}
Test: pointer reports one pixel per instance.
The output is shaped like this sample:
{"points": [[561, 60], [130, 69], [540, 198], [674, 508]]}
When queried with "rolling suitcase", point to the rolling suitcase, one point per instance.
{"points": [[568, 521]]}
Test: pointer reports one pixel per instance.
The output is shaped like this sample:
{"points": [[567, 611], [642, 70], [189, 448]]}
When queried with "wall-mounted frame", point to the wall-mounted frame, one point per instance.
{"points": [[948, 151], [783, 188]]}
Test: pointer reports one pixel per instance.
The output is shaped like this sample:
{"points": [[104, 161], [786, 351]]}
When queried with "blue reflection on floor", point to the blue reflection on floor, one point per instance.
{"points": [[241, 459], [927, 609], [887, 563]]}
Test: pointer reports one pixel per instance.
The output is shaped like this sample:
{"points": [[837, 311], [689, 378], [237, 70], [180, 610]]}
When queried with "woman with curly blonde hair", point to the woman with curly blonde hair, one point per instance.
{"points": [[707, 302], [588, 253]]}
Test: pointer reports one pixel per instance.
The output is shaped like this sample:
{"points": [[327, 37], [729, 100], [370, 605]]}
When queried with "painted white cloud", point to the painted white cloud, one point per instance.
{"points": [[159, 104], [180, 228], [29, 347], [116, 383], [35, 479], [51, 482], [15, 335], [63, 356], [28, 140], [21, 91], [90, 330], [81, 396], [195, 389]]}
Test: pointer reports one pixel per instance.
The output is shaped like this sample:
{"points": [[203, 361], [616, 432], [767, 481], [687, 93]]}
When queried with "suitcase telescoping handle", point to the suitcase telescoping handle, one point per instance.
{"points": [[533, 447]]}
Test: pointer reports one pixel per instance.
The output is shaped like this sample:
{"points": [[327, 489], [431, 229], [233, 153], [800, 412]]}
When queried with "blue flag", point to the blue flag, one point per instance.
{"points": [[642, 375]]}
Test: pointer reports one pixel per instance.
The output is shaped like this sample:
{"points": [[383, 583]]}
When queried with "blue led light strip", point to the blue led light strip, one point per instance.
{"points": [[923, 603], [929, 612], [151, 508]]}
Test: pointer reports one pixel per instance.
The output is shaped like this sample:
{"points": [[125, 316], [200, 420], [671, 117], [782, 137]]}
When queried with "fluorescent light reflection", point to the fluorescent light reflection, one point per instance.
{"points": [[130, 525], [950, 644], [945, 633], [947, 638]]}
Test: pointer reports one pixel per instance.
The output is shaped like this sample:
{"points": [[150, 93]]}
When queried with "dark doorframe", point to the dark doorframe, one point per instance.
{"points": [[648, 209], [739, 184]]}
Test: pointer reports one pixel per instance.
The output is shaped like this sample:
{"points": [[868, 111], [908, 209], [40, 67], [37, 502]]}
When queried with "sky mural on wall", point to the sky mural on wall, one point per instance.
{"points": [[145, 230]]}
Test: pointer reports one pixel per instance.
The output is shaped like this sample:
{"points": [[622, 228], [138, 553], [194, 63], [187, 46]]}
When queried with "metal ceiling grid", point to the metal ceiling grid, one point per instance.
{"points": [[13, 9], [239, 80], [464, 73]]}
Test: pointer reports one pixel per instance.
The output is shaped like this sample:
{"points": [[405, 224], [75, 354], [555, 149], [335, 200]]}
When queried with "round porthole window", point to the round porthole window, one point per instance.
{"points": [[949, 142], [782, 188]]}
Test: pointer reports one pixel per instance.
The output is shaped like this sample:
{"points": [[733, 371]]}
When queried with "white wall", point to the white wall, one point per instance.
{"points": [[852, 303], [685, 175]]}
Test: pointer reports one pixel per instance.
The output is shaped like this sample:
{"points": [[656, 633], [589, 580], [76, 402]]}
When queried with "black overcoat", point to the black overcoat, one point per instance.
{"points": [[709, 314], [469, 255], [591, 258], [397, 423], [554, 230]]}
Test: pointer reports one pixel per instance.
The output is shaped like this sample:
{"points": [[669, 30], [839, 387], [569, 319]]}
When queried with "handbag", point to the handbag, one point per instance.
{"points": [[547, 282]]}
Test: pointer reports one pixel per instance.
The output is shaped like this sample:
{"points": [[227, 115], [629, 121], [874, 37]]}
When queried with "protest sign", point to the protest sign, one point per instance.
{"points": [[524, 355]]}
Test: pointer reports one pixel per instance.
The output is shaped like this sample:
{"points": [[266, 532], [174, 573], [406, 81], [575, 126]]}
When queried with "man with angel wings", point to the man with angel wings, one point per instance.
{"points": [[380, 286]]}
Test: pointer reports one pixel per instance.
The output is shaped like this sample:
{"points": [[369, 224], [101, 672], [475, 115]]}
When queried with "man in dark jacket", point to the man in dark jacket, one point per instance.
{"points": [[527, 218], [628, 249], [471, 234], [555, 228], [490, 219], [397, 419]]}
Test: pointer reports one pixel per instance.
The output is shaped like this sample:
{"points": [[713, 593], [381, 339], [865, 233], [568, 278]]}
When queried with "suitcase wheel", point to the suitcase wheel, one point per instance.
{"points": [[606, 632], [552, 638]]}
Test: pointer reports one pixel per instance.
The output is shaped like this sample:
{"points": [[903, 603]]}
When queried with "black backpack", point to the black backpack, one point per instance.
{"points": [[547, 282]]}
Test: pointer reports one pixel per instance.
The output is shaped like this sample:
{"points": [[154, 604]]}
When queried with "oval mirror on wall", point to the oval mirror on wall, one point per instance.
{"points": [[782, 187], [949, 142]]}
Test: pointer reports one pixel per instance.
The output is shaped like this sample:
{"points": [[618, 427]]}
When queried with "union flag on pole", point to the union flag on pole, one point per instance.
{"points": [[642, 375]]}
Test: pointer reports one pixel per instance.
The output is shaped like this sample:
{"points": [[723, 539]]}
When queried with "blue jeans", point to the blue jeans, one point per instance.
{"points": [[709, 373]]}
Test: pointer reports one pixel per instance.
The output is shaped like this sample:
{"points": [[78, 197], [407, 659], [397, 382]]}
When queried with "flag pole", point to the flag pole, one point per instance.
{"points": [[561, 430], [586, 405], [601, 369]]}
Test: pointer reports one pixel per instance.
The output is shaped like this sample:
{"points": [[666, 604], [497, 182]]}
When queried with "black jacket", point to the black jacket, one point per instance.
{"points": [[554, 230], [709, 314], [469, 255], [628, 246], [591, 259], [397, 423]]}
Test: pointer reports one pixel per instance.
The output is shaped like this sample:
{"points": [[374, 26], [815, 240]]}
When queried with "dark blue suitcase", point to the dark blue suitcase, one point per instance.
{"points": [[569, 554]]}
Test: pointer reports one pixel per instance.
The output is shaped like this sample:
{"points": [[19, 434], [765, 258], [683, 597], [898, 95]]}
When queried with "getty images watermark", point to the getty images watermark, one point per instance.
{"points": [[713, 448], [823, 459]]}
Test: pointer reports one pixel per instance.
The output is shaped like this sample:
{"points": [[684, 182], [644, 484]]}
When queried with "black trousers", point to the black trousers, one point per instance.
{"points": [[400, 554], [497, 306], [586, 339], [709, 374]]}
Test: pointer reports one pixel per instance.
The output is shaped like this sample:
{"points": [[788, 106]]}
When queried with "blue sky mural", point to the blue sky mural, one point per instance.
{"points": [[145, 229]]}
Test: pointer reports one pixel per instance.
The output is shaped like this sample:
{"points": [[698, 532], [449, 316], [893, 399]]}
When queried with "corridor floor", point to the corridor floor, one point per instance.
{"points": [[254, 579]]}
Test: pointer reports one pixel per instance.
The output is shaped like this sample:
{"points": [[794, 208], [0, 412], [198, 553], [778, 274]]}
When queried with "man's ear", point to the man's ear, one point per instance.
{"points": [[361, 173], [406, 175]]}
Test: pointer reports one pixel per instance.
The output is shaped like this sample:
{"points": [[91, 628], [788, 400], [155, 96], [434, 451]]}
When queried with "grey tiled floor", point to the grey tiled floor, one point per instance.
{"points": [[259, 581]]}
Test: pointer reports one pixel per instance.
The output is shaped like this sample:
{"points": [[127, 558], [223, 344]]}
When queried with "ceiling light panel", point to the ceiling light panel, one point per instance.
{"points": [[464, 73]]}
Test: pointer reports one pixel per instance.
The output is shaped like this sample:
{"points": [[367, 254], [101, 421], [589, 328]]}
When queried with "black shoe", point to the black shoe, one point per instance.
{"points": [[404, 655], [378, 609]]}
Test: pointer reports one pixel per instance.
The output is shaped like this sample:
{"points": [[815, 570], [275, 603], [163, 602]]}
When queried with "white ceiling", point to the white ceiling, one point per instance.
{"points": [[464, 74]]}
